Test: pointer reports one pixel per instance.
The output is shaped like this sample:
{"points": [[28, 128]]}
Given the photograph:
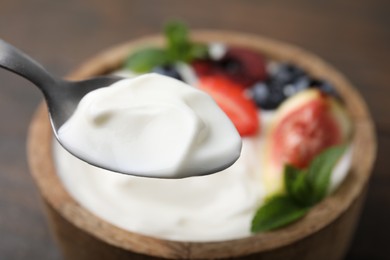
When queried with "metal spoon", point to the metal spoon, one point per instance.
{"points": [[62, 97]]}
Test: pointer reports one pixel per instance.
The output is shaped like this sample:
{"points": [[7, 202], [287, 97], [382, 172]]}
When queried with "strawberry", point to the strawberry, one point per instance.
{"points": [[230, 97]]}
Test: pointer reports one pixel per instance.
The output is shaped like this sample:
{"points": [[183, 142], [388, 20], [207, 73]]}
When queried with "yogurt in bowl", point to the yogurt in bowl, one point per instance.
{"points": [[217, 207], [328, 225]]}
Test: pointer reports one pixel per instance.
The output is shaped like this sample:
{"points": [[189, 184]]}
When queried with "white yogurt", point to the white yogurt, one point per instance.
{"points": [[209, 208], [154, 126]]}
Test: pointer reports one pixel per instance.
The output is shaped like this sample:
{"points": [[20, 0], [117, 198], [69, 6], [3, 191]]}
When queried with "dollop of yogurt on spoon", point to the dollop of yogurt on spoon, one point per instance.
{"points": [[152, 126]]}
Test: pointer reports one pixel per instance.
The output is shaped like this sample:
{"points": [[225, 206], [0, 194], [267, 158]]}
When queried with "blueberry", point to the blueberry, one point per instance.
{"points": [[325, 87], [284, 81], [286, 73], [168, 70], [294, 87], [276, 97], [267, 96], [260, 93], [302, 83]]}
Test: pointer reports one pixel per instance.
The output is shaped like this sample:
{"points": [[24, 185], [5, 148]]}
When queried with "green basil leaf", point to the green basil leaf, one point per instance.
{"points": [[146, 59], [277, 212], [320, 170]]}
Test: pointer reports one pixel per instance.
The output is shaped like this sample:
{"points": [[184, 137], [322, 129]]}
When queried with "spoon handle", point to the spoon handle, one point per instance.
{"points": [[18, 62]]}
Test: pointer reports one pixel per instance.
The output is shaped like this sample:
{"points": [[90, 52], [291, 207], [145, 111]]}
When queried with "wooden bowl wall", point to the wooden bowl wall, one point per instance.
{"points": [[323, 234]]}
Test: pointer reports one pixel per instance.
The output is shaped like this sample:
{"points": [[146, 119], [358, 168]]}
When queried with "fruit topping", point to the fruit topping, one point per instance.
{"points": [[232, 100], [304, 126], [284, 81], [325, 87], [205, 68], [243, 66], [267, 96], [285, 73], [168, 70]]}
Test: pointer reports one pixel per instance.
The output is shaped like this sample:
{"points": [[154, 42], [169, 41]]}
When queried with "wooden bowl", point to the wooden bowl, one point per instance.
{"points": [[323, 234]]}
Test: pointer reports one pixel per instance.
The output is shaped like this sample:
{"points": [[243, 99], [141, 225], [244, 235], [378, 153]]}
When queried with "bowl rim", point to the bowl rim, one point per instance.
{"points": [[42, 166]]}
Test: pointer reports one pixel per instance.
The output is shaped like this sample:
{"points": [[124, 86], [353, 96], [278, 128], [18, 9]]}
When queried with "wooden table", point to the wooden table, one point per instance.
{"points": [[353, 35]]}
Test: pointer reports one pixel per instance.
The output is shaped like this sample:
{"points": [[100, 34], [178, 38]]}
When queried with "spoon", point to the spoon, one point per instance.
{"points": [[62, 96]]}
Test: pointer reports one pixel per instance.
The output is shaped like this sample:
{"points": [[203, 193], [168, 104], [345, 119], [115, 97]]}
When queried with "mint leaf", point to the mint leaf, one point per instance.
{"points": [[320, 169], [277, 212], [176, 34], [177, 41], [179, 46], [295, 182], [146, 59], [308, 187], [304, 188]]}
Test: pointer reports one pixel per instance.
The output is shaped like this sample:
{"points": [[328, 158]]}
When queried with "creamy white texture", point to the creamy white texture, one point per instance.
{"points": [[154, 126], [209, 208]]}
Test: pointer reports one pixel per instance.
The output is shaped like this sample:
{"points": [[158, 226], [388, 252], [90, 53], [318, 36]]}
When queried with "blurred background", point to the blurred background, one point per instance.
{"points": [[353, 35]]}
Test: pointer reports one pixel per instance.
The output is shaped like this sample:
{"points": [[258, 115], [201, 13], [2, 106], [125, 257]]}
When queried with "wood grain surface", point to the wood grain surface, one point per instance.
{"points": [[353, 35]]}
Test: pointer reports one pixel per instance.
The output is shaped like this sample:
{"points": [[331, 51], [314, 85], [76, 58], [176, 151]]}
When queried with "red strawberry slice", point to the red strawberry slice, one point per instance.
{"points": [[230, 97]]}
